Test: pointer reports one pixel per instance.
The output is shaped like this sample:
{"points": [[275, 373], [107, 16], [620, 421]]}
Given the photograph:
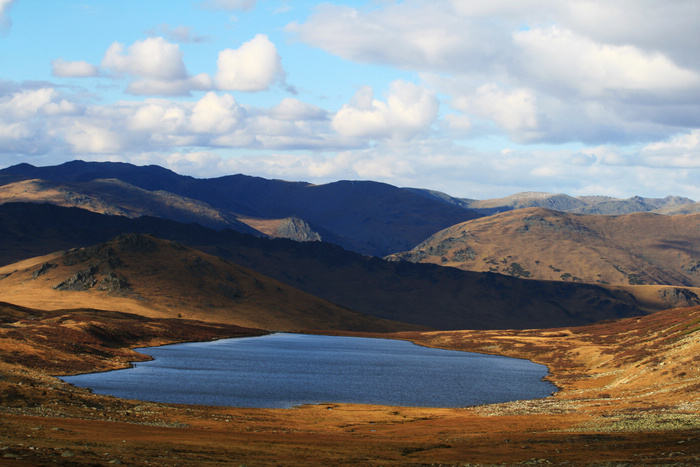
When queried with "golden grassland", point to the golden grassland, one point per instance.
{"points": [[629, 393], [536, 243]]}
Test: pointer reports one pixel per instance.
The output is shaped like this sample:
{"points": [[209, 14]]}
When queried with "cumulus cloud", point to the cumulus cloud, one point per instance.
{"points": [[77, 69], [571, 71], [254, 66], [158, 67], [515, 110], [150, 58], [559, 58], [28, 117], [30, 103], [216, 114], [408, 110], [176, 87], [293, 110]]}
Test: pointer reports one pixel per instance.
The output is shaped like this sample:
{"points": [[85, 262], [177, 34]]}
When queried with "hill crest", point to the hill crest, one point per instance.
{"points": [[156, 278], [536, 243]]}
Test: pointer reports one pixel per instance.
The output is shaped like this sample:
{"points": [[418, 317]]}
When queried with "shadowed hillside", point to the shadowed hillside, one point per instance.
{"points": [[368, 217], [111, 196], [163, 279], [422, 294], [535, 243]]}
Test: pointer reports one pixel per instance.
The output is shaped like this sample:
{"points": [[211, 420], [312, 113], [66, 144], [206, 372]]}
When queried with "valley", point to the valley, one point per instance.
{"points": [[99, 258], [628, 394]]}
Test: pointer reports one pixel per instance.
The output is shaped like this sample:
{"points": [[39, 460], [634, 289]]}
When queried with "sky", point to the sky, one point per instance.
{"points": [[477, 99]]}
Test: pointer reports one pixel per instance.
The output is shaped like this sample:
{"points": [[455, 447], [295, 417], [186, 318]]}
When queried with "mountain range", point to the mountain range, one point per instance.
{"points": [[522, 268], [368, 217], [98, 260], [605, 205]]}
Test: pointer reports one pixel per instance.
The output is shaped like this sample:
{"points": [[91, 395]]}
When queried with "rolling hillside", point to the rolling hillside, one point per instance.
{"points": [[423, 294], [163, 279], [536, 243]]}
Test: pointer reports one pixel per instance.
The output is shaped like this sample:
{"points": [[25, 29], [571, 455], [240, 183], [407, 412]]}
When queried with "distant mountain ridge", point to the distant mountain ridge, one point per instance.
{"points": [[604, 205], [368, 217]]}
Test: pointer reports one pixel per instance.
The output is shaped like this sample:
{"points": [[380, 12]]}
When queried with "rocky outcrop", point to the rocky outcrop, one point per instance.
{"points": [[679, 297], [81, 280], [297, 229], [115, 285], [43, 269]]}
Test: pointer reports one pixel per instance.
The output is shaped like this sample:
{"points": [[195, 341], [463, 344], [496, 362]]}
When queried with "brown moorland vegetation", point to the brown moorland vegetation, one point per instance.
{"points": [[536, 243], [629, 393], [144, 275]]}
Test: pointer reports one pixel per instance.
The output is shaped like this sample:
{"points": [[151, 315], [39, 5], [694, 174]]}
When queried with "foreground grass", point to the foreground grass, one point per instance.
{"points": [[629, 393]]}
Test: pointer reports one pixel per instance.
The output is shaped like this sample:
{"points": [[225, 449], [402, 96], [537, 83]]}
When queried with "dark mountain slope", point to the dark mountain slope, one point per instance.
{"points": [[112, 196], [367, 217], [424, 294]]}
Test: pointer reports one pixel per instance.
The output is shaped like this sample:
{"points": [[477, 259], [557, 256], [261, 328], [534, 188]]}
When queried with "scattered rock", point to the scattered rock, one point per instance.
{"points": [[114, 285], [43, 269], [81, 280]]}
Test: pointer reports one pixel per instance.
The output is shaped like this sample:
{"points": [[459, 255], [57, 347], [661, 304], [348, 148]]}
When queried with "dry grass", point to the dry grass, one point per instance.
{"points": [[163, 279], [536, 243], [629, 394]]}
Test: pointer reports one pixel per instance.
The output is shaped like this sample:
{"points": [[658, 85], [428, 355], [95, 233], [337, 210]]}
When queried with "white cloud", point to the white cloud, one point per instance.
{"points": [[254, 66], [409, 109], [157, 116], [149, 58], [91, 138], [158, 66], [681, 151], [557, 57], [650, 25], [216, 114], [514, 110], [458, 123], [295, 110], [77, 69], [30, 103], [177, 87], [592, 71]]}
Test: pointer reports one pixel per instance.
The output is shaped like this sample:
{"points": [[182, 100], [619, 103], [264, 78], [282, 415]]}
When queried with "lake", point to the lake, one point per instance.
{"points": [[284, 370]]}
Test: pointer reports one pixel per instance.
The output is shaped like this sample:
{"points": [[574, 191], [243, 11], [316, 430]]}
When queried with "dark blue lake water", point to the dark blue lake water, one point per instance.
{"points": [[284, 370]]}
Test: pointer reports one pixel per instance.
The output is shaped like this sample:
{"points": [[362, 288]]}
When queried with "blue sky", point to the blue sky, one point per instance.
{"points": [[476, 99]]}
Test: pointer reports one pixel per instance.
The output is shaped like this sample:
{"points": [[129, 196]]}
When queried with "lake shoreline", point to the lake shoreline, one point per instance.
{"points": [[618, 403], [284, 370]]}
